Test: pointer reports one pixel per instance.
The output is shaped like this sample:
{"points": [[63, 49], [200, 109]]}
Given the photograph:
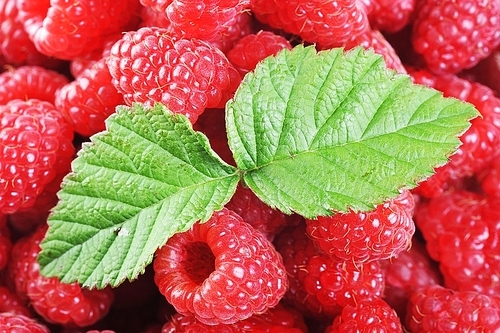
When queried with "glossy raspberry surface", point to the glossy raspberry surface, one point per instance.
{"points": [[17, 323], [221, 271]]}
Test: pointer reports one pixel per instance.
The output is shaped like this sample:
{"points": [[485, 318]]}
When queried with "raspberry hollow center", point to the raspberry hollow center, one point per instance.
{"points": [[199, 262]]}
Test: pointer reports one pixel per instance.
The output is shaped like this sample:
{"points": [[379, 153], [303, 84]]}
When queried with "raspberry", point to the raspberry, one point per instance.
{"points": [[188, 76], [56, 302], [375, 40], [489, 178], [461, 230], [27, 82], [438, 309], [389, 15], [454, 35], [67, 29], [327, 23], [365, 317], [10, 302], [222, 270], [256, 213], [365, 236], [277, 319], [89, 100], [253, 48], [406, 272], [17, 323], [36, 146], [15, 44], [320, 286]]}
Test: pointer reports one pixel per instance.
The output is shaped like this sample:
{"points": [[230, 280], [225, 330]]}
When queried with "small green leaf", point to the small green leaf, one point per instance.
{"points": [[147, 177], [315, 132]]}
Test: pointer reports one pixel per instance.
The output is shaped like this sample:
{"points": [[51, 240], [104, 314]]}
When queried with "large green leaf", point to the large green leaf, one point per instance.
{"points": [[315, 132], [135, 185]]}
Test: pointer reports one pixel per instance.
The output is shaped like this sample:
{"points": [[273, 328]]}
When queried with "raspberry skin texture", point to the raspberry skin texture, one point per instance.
{"points": [[68, 29], [221, 271], [277, 319], [68, 305], [87, 101], [389, 15], [461, 233], [10, 302], [253, 48], [454, 35], [150, 65], [36, 146], [365, 317], [366, 236], [17, 323], [319, 287], [27, 82], [439, 309], [326, 23]]}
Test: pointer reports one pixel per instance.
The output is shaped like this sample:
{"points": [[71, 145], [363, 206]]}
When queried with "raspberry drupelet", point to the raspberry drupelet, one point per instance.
{"points": [[222, 271], [18, 323]]}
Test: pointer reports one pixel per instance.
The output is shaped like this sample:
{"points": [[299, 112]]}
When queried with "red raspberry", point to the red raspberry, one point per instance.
{"points": [[274, 320], [17, 323], [256, 213], [365, 236], [66, 30], [56, 302], [461, 230], [36, 146], [367, 316], [454, 35], [389, 15], [406, 272], [188, 76], [438, 309], [375, 40], [10, 302], [89, 100], [221, 271], [328, 23], [320, 286], [27, 82], [15, 44], [253, 48], [489, 178]]}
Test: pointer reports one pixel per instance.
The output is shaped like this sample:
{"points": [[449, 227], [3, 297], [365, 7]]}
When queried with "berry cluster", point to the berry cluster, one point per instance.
{"points": [[425, 261]]}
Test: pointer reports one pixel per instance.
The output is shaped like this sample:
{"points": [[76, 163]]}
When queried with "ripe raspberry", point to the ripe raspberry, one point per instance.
{"points": [[461, 231], [366, 236], [36, 146], [59, 303], [86, 102], [327, 23], [253, 48], [405, 273], [188, 76], [320, 286], [27, 82], [454, 35], [375, 40], [256, 213], [15, 45], [389, 15], [221, 271], [277, 319], [17, 323], [68, 29], [365, 317], [10, 302], [438, 309]]}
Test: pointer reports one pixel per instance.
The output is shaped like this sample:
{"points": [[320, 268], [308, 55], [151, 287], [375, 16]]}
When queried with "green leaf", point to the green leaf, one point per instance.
{"points": [[147, 177], [315, 132]]}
